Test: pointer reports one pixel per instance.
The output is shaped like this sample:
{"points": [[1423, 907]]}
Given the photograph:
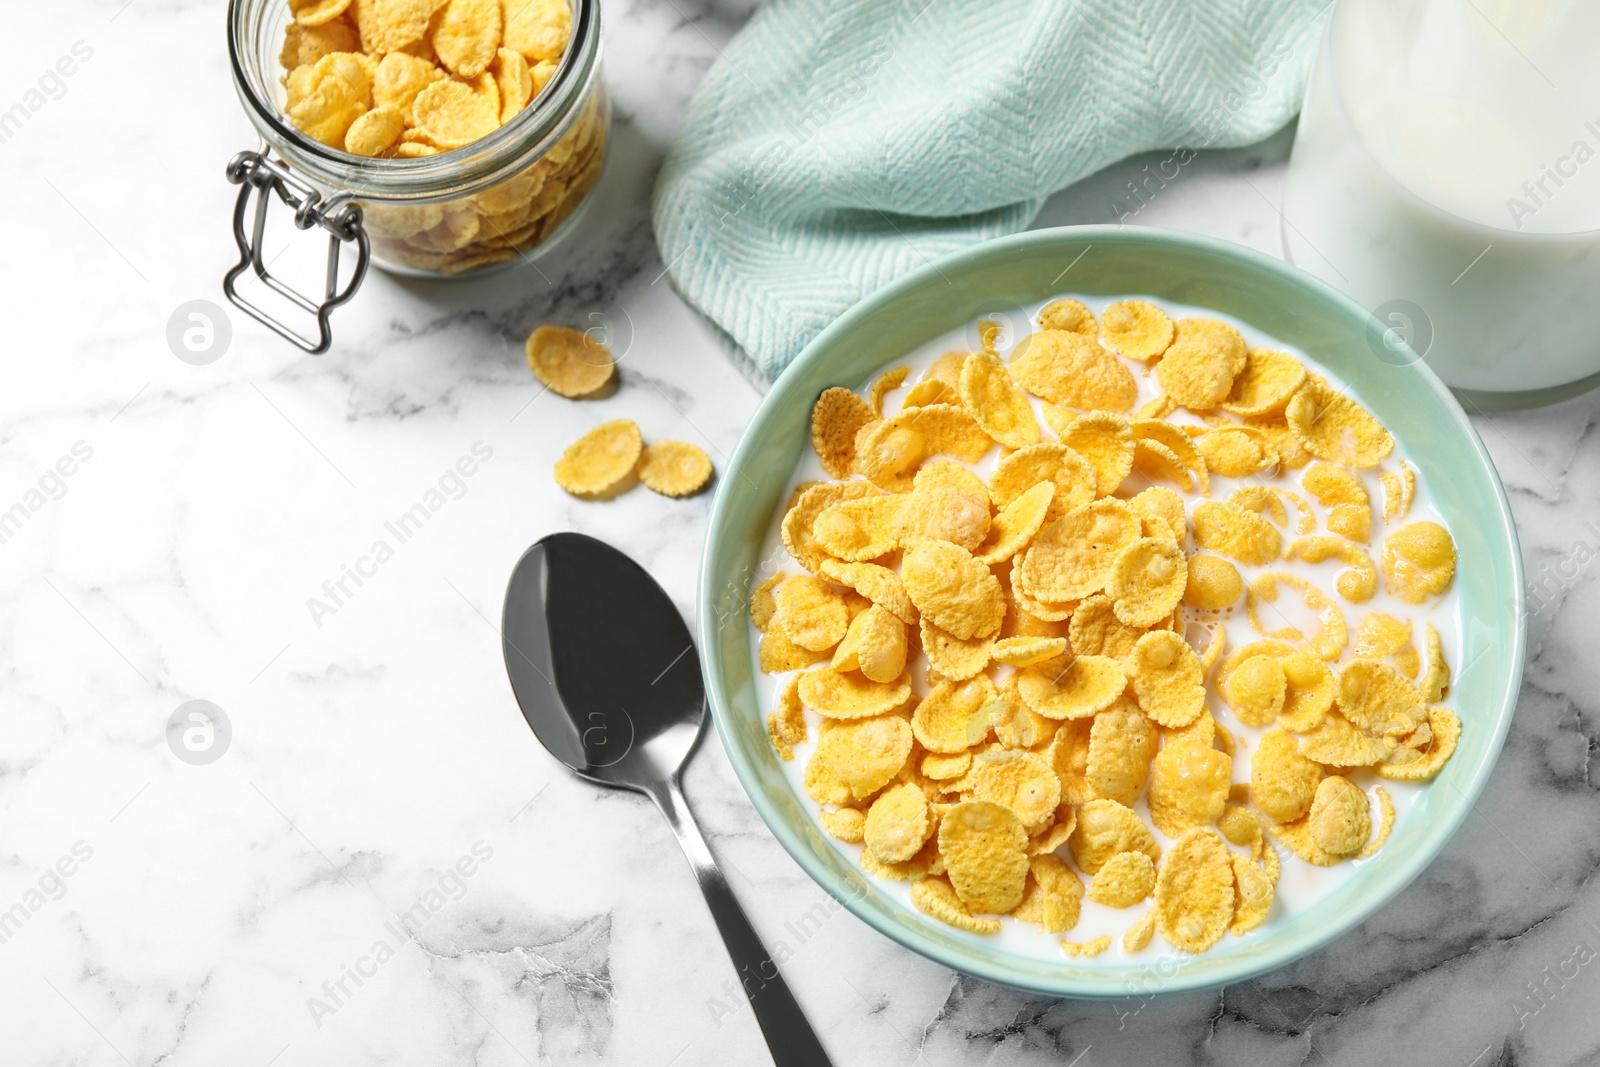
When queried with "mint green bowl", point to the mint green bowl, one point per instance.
{"points": [[1266, 293]]}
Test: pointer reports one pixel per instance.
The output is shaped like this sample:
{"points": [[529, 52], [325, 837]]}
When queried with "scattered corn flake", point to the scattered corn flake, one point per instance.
{"points": [[571, 363], [1069, 315], [1188, 786], [1253, 891], [1331, 635], [1230, 530], [1122, 742], [952, 590], [1435, 683], [1147, 581], [1266, 384], [1311, 691], [1015, 724], [947, 472], [1419, 561], [800, 520], [1015, 527], [674, 468], [835, 420], [1298, 838], [1052, 895], [1237, 451], [1123, 881], [1073, 370], [898, 823], [1106, 828], [1022, 781], [1398, 488], [601, 461], [1105, 439], [1072, 556], [1200, 365], [1136, 329], [762, 603], [784, 750], [789, 714], [930, 391], [779, 654], [875, 645], [847, 824], [985, 853], [1166, 679], [1340, 819], [849, 695], [1096, 631], [954, 658], [373, 132], [810, 613], [1283, 782], [1086, 949], [1337, 743], [933, 512], [1157, 461], [1069, 755], [1357, 582], [996, 402], [1212, 583], [944, 767], [1050, 461], [1331, 426], [886, 383], [1238, 823], [1194, 892], [1445, 730], [1385, 824], [936, 897], [954, 716], [1378, 699], [1057, 834], [1256, 690], [1028, 651], [864, 528], [1381, 636], [863, 754], [1137, 937], [878, 584], [1072, 687]]}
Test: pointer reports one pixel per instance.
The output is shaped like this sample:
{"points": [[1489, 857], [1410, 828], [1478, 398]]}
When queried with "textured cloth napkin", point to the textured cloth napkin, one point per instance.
{"points": [[837, 144]]}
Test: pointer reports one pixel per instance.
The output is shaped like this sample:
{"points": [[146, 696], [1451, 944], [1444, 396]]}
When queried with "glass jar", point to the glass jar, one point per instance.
{"points": [[505, 198]]}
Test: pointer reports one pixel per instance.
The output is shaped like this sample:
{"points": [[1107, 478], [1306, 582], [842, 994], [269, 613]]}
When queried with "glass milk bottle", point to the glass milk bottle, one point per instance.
{"points": [[1446, 174]]}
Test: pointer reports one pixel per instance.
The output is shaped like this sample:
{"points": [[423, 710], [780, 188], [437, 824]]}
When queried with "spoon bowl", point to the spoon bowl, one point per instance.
{"points": [[607, 677]]}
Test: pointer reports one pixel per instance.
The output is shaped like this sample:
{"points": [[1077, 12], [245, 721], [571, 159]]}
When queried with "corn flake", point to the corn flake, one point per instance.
{"points": [[936, 897], [1194, 892], [934, 512], [835, 420], [1051, 461], [1237, 451], [1105, 440], [1340, 819], [674, 468], [1198, 368], [875, 645], [1418, 765], [1147, 581], [849, 695], [1283, 782], [1106, 828], [1419, 560], [1122, 742], [601, 461], [1230, 530], [984, 849], [1436, 683], [1072, 687], [855, 759], [1136, 329], [810, 613], [1253, 890], [1069, 315], [952, 590], [997, 404], [1123, 881], [1267, 383], [1022, 781], [897, 824], [847, 824], [1333, 427], [954, 658], [1212, 583], [1069, 369], [1052, 895], [1166, 679], [954, 716], [1188, 786], [1072, 556]]}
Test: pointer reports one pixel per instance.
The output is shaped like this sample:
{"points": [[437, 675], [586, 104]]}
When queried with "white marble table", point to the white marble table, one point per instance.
{"points": [[210, 910]]}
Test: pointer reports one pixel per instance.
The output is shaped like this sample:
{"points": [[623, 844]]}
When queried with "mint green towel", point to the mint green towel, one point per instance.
{"points": [[838, 144]]}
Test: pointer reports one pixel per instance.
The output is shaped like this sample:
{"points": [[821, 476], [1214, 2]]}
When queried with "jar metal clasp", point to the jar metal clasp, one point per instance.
{"points": [[259, 175]]}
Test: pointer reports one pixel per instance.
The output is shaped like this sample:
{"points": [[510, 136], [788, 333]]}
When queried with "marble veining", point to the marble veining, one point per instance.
{"points": [[384, 867]]}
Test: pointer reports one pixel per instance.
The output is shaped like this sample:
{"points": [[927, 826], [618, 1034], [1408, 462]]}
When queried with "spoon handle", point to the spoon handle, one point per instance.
{"points": [[789, 1036]]}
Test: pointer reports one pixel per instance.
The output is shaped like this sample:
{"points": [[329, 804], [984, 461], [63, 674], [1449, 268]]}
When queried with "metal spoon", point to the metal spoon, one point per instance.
{"points": [[606, 675]]}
